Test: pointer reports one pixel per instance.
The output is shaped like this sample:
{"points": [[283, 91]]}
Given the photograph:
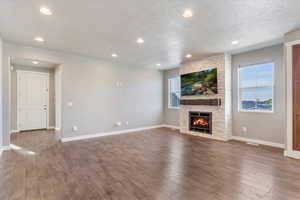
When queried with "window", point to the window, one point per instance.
{"points": [[174, 92], [256, 84]]}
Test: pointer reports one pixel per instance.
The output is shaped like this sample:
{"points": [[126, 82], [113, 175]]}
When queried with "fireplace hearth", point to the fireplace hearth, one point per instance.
{"points": [[201, 122]]}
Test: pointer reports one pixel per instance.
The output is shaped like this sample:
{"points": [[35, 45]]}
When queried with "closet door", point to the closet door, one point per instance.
{"points": [[296, 97]]}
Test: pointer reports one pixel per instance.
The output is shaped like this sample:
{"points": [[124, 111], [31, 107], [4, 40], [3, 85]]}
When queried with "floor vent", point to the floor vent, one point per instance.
{"points": [[252, 143]]}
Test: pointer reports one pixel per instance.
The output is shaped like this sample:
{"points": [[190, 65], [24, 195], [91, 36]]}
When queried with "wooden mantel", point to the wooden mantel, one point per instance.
{"points": [[202, 102]]}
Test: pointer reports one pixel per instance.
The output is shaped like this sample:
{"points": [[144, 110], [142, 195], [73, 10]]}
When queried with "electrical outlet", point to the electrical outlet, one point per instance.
{"points": [[127, 123], [70, 104], [118, 123], [74, 128], [119, 84], [244, 129]]}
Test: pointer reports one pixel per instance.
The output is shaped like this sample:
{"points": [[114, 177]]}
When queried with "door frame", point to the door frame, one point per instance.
{"points": [[289, 151], [20, 73]]}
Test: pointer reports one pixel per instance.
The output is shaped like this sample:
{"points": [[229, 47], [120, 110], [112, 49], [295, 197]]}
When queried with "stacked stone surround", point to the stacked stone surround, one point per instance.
{"points": [[221, 115]]}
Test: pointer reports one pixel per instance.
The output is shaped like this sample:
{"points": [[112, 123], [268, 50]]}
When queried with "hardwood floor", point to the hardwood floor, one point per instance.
{"points": [[158, 164]]}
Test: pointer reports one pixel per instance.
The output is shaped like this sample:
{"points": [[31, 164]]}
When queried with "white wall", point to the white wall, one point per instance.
{"points": [[91, 85], [58, 98]]}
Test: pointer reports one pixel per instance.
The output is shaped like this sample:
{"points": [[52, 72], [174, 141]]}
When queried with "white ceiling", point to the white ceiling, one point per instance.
{"points": [[99, 28]]}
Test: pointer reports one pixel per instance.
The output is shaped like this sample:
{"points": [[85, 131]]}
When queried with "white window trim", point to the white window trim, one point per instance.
{"points": [[273, 90], [169, 90]]}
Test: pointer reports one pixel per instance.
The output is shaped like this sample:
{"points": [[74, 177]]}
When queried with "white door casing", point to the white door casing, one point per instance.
{"points": [[32, 100]]}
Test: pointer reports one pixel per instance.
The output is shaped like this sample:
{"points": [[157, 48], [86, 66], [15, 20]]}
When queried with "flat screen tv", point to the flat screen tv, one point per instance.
{"points": [[200, 83]]}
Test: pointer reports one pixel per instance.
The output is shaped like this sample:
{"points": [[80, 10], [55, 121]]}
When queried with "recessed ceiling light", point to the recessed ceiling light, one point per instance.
{"points": [[235, 42], [187, 13], [35, 62], [39, 39], [114, 55], [188, 56], [140, 41], [45, 11], [158, 64]]}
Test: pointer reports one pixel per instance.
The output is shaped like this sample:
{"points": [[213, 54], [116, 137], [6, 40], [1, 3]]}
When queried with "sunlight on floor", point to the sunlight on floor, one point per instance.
{"points": [[173, 171], [21, 150]]}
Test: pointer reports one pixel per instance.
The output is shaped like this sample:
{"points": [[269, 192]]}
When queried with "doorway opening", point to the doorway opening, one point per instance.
{"points": [[35, 98]]}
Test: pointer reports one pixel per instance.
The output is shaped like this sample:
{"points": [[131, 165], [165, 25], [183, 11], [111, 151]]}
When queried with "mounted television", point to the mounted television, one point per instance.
{"points": [[200, 83]]}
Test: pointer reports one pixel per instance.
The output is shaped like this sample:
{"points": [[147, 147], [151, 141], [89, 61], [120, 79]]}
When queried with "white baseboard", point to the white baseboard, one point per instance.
{"points": [[89, 136], [262, 142], [292, 154], [171, 126], [51, 127], [4, 148], [14, 131]]}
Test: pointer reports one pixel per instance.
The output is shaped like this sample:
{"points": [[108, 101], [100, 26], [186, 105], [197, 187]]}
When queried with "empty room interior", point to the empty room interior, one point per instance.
{"points": [[150, 100]]}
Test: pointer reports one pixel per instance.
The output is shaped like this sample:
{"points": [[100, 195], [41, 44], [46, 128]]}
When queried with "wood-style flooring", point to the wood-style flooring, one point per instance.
{"points": [[158, 164]]}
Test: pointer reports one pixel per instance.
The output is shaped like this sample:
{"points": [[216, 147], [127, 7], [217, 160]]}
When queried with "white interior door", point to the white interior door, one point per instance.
{"points": [[33, 100]]}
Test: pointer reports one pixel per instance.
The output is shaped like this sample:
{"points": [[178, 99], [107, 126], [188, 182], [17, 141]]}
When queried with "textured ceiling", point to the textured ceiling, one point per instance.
{"points": [[99, 28]]}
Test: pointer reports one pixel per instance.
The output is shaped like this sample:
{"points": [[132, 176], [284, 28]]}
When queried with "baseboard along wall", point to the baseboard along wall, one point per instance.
{"points": [[261, 142], [238, 138], [89, 136]]}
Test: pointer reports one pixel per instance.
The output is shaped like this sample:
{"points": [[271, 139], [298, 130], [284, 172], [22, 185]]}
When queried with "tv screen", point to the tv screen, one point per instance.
{"points": [[200, 83]]}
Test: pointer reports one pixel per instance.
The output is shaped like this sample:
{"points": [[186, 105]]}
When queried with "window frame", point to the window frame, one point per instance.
{"points": [[273, 89], [169, 92]]}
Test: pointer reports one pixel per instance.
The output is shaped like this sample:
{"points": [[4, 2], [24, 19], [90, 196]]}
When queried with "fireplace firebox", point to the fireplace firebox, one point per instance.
{"points": [[201, 122]]}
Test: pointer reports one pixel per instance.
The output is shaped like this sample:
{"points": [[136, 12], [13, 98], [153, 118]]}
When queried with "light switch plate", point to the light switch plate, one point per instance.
{"points": [[244, 128]]}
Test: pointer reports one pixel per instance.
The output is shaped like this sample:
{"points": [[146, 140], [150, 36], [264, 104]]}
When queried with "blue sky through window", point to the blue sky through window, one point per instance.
{"points": [[256, 82], [256, 75]]}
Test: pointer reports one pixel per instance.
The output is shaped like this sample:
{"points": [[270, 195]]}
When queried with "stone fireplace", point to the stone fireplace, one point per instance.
{"points": [[217, 115]]}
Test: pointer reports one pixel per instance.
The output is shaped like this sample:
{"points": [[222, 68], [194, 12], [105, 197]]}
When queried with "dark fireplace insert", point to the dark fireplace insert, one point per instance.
{"points": [[201, 122]]}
